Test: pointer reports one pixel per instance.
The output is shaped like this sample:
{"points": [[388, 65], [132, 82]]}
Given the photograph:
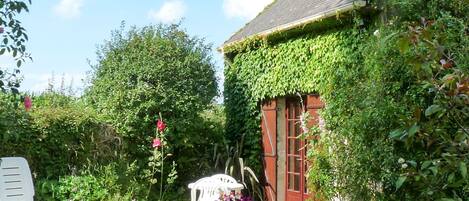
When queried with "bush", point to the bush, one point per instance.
{"points": [[101, 184], [59, 136], [57, 139], [157, 70]]}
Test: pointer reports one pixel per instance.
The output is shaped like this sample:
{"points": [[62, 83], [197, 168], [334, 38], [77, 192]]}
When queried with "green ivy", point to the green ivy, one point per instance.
{"points": [[375, 80]]}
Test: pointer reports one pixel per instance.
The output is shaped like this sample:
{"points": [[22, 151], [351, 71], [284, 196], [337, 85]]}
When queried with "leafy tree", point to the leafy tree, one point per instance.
{"points": [[13, 41], [152, 70]]}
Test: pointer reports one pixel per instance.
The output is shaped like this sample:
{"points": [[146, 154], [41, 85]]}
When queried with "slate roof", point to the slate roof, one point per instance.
{"points": [[284, 12]]}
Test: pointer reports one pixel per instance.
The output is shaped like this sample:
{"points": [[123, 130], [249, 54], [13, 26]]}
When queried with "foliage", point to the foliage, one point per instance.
{"points": [[305, 64], [98, 147], [57, 138], [432, 135], [150, 70], [14, 38], [161, 152], [60, 138], [403, 79], [100, 184], [155, 70], [229, 158]]}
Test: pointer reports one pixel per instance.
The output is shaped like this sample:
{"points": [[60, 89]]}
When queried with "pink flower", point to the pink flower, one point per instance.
{"points": [[2, 30], [160, 125], [27, 103], [156, 143]]}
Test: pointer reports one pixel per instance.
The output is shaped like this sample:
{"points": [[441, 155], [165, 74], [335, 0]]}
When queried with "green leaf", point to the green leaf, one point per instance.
{"points": [[414, 129], [403, 44], [432, 110], [412, 163], [460, 137], [463, 169], [434, 169], [395, 134], [2, 51], [426, 164], [18, 63], [400, 181]]}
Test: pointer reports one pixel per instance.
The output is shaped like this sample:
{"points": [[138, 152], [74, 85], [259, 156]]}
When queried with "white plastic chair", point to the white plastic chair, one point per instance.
{"points": [[212, 187], [16, 183], [209, 189]]}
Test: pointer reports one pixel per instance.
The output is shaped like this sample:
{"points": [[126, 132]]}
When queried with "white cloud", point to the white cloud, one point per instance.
{"points": [[245, 9], [68, 8], [39, 82], [170, 12]]}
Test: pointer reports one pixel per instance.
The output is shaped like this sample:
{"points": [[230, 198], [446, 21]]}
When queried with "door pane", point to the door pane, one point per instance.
{"points": [[297, 164], [290, 181], [297, 111], [297, 128], [297, 147], [291, 146], [291, 164], [297, 183], [291, 128]]}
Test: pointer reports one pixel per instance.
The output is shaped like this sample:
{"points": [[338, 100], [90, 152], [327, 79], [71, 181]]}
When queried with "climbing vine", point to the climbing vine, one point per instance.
{"points": [[396, 94]]}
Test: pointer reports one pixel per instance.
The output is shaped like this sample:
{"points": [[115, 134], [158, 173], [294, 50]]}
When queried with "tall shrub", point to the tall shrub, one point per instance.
{"points": [[151, 70]]}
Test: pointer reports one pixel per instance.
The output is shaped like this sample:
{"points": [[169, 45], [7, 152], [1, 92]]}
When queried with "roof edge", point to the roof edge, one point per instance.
{"points": [[300, 22]]}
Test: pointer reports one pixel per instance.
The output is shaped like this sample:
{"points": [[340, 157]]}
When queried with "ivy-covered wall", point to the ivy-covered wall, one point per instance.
{"points": [[306, 64], [396, 93]]}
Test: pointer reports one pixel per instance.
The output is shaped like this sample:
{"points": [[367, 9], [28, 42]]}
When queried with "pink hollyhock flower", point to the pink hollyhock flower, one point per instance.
{"points": [[160, 125], [156, 143], [27, 103], [2, 30]]}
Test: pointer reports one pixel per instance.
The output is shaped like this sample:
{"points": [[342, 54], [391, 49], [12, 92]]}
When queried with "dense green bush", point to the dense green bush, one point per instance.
{"points": [[61, 138], [154, 70], [101, 184], [57, 137]]}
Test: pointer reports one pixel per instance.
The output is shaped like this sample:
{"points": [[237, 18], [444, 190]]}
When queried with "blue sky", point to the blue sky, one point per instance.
{"points": [[63, 34]]}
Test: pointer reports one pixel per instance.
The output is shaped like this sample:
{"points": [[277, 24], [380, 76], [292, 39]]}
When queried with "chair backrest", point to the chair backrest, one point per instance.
{"points": [[209, 189], [224, 178], [16, 182]]}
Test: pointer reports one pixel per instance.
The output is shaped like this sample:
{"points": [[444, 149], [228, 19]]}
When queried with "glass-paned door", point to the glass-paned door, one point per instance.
{"points": [[296, 166]]}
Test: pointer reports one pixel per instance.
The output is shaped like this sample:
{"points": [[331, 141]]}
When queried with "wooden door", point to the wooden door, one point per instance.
{"points": [[269, 148], [296, 164], [294, 152]]}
